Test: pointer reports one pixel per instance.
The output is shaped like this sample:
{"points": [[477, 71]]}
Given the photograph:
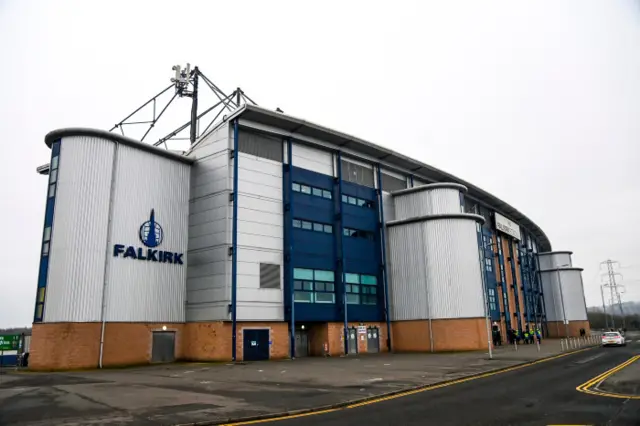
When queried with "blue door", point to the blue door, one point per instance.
{"points": [[256, 345]]}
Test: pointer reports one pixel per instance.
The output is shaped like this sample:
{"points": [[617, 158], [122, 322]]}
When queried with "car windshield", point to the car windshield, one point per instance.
{"points": [[611, 334]]}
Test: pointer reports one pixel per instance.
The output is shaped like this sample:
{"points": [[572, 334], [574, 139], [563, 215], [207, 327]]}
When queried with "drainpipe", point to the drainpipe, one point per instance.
{"points": [[383, 243], [342, 258], [234, 243], [289, 227]]}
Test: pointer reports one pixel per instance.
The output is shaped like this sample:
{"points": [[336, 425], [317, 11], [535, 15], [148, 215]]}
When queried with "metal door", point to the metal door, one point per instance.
{"points": [[373, 339], [255, 345], [353, 341], [163, 346], [302, 343]]}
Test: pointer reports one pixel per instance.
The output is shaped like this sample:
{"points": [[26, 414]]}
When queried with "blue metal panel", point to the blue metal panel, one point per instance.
{"points": [[514, 282], [311, 178], [503, 282], [485, 243], [234, 242], [411, 181], [43, 270], [289, 247], [321, 312], [341, 267], [383, 261]]}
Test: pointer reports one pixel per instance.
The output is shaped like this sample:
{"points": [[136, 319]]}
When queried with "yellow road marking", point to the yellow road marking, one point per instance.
{"points": [[586, 386], [407, 393]]}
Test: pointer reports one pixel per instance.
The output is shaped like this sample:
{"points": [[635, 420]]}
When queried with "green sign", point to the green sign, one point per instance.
{"points": [[10, 342]]}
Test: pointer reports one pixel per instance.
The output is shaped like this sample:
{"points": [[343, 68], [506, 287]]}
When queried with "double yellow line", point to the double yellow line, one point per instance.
{"points": [[586, 386], [400, 394]]}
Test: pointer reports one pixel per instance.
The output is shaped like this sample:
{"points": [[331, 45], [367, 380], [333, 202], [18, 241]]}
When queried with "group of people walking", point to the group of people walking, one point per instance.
{"points": [[527, 336]]}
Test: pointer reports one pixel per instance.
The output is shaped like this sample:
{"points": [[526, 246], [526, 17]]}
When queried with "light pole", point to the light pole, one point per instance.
{"points": [[564, 311]]}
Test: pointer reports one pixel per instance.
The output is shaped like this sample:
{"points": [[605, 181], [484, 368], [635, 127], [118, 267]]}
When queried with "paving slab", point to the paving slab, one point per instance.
{"points": [[186, 393]]}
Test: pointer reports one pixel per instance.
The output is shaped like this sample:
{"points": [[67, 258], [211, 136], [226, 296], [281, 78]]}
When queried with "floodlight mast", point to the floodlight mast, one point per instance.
{"points": [[185, 83]]}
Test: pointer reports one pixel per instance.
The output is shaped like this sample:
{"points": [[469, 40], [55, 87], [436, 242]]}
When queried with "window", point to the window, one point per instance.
{"points": [[356, 233], [260, 145], [53, 176], [355, 201], [492, 299], [310, 190], [488, 265], [54, 163], [269, 275], [41, 292], [314, 286], [47, 233], [356, 173], [312, 226], [45, 248], [361, 289], [52, 190], [392, 183]]}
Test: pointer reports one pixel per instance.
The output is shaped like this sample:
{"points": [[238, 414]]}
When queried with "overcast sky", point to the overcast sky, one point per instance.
{"points": [[536, 102]]}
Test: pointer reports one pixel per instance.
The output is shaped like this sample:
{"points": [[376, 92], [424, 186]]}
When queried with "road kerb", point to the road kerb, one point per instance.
{"points": [[272, 417], [586, 386]]}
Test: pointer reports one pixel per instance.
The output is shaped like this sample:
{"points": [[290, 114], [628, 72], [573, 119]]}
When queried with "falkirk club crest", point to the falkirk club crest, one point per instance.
{"points": [[151, 235]]}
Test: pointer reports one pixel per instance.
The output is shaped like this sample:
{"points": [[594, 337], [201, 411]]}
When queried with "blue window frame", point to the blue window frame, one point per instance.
{"points": [[311, 190], [493, 306], [312, 226], [355, 201], [314, 286], [361, 289], [356, 233]]}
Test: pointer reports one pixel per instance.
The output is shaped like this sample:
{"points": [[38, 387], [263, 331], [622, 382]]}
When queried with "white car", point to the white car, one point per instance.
{"points": [[613, 338]]}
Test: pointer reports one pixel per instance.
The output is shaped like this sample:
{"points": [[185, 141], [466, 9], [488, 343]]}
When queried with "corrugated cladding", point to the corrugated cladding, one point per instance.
{"points": [[141, 290], [427, 202], [260, 236], [554, 260], [408, 275], [572, 295], [209, 267], [435, 270], [453, 268], [79, 241], [313, 159]]}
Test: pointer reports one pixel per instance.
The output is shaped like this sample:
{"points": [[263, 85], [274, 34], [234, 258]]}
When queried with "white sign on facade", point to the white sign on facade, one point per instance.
{"points": [[507, 226], [362, 329]]}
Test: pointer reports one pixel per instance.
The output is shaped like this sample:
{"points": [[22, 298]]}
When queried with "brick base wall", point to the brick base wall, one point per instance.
{"points": [[465, 334], [64, 346], [557, 328]]}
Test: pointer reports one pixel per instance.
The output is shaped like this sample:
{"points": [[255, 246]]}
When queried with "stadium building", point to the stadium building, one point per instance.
{"points": [[273, 237]]}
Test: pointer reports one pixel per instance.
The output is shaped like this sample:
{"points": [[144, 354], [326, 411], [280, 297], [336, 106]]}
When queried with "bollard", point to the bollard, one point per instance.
{"points": [[561, 345], [538, 345], [515, 343]]}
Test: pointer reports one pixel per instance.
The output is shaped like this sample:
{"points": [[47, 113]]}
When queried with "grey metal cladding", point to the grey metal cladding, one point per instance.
{"points": [[260, 145], [356, 173], [269, 275], [392, 183]]}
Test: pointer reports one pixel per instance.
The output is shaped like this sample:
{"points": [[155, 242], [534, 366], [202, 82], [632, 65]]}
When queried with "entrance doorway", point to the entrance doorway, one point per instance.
{"points": [[302, 343], [353, 340], [255, 344], [163, 346], [373, 339]]}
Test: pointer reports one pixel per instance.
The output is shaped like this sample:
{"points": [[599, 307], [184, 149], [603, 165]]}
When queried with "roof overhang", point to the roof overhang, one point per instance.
{"points": [[303, 128]]}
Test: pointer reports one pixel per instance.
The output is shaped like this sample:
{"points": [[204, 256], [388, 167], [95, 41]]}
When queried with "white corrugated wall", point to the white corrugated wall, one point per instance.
{"points": [[453, 268], [428, 202], [551, 292], [554, 260], [312, 159], [573, 293], [408, 281], [140, 290], [79, 238]]}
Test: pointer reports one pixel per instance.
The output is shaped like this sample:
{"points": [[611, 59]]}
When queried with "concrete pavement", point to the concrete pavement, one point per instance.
{"points": [[189, 393]]}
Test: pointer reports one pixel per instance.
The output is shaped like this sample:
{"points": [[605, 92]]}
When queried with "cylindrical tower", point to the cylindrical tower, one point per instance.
{"points": [[113, 263], [436, 288], [563, 293]]}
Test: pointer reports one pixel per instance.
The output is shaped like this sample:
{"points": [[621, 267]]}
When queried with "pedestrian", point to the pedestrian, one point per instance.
{"points": [[526, 336], [538, 335]]}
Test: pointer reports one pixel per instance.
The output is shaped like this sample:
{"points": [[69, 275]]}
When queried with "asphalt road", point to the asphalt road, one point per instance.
{"points": [[540, 394]]}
